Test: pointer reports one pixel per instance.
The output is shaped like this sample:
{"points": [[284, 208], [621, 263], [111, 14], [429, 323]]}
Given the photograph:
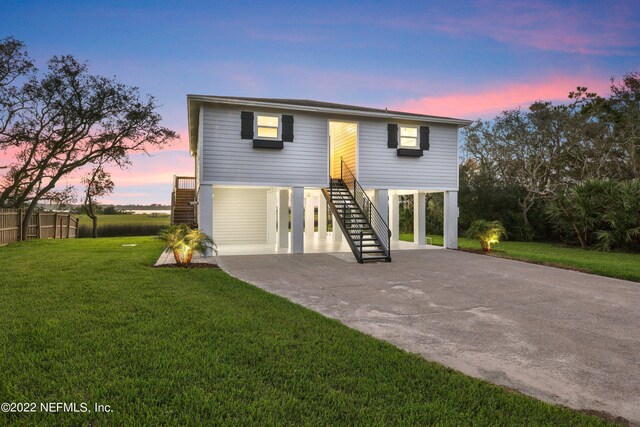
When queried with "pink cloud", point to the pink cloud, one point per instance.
{"points": [[155, 169], [494, 99], [153, 172], [549, 26]]}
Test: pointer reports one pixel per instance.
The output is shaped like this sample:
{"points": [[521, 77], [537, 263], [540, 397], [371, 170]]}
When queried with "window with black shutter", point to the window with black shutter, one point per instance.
{"points": [[409, 141], [267, 130], [246, 129], [287, 128], [424, 137], [392, 135]]}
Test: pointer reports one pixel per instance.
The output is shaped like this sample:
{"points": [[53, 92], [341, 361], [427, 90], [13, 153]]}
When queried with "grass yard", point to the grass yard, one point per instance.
{"points": [[90, 321], [612, 264]]}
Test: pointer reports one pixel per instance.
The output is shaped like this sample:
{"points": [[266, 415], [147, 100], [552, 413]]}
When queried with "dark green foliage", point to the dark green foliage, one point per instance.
{"points": [[483, 195], [603, 214], [121, 230], [434, 213], [166, 346], [406, 220], [521, 166], [110, 210]]}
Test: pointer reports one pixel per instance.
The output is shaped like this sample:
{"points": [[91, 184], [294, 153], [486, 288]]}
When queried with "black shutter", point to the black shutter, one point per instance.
{"points": [[246, 131], [392, 135], [424, 137], [287, 128]]}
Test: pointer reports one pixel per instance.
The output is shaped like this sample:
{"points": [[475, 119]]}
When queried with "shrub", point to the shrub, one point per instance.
{"points": [[487, 232], [604, 214], [183, 241]]}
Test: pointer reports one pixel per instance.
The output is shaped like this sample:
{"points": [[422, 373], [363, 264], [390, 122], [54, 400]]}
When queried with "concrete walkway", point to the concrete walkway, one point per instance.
{"points": [[561, 336]]}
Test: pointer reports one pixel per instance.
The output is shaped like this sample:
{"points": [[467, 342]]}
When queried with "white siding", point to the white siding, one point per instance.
{"points": [[239, 215], [344, 138], [228, 159], [380, 167]]}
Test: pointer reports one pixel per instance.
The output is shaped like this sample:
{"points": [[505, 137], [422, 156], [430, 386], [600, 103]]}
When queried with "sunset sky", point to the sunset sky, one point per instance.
{"points": [[467, 59]]}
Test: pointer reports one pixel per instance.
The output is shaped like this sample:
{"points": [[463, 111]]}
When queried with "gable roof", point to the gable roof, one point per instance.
{"points": [[194, 101]]}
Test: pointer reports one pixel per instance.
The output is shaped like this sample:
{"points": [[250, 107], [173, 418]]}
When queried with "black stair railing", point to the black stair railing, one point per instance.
{"points": [[377, 223]]}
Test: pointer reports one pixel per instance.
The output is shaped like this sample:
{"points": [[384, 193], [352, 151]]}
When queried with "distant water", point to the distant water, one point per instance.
{"points": [[151, 211]]}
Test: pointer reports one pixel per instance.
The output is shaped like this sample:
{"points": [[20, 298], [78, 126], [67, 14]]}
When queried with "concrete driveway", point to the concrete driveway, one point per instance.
{"points": [[561, 336]]}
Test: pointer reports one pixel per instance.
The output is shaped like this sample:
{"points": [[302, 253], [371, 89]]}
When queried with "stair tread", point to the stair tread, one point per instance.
{"points": [[359, 229]]}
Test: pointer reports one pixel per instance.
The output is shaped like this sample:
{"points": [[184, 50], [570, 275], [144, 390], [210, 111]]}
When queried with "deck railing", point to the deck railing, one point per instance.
{"points": [[184, 183]]}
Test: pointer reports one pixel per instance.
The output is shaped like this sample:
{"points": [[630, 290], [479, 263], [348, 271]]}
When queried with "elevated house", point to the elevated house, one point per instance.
{"points": [[271, 174]]}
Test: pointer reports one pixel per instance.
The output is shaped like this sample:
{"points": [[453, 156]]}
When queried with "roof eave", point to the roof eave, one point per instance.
{"points": [[231, 101], [193, 118]]}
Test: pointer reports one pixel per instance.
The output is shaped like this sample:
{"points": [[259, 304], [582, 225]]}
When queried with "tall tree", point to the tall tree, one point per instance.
{"points": [[522, 149], [98, 184], [15, 65], [624, 106], [70, 119]]}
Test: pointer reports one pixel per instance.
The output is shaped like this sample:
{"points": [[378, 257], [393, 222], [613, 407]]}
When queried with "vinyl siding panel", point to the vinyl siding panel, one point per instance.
{"points": [[239, 215], [229, 159], [380, 167]]}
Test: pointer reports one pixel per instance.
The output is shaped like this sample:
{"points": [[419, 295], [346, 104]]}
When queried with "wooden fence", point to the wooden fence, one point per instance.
{"points": [[42, 225]]}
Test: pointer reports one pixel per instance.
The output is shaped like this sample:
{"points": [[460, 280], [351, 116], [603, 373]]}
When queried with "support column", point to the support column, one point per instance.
{"points": [[272, 226], [205, 211], [283, 219], [322, 217], [297, 220], [309, 217], [451, 214], [381, 202], [419, 219], [337, 231], [394, 217]]}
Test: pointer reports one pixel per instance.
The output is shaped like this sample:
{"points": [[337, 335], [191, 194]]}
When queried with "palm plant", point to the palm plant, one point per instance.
{"points": [[621, 218], [183, 241], [487, 232], [601, 213]]}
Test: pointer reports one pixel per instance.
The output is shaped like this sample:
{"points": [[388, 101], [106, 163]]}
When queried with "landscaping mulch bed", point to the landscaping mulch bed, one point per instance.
{"points": [[192, 266]]}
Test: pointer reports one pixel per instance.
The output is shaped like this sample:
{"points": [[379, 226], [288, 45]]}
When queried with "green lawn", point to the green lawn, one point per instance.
{"points": [[612, 264], [90, 321]]}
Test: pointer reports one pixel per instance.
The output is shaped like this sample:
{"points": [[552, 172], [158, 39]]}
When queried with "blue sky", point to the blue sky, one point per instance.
{"points": [[469, 59]]}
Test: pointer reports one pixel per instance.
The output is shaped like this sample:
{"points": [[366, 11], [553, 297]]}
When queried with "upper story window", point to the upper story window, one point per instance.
{"points": [[408, 137], [268, 126]]}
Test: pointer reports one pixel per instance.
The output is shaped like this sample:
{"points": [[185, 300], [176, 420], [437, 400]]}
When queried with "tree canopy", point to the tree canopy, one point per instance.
{"points": [[526, 159], [58, 122]]}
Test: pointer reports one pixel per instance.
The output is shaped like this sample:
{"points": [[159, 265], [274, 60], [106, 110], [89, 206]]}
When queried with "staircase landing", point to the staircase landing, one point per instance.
{"points": [[183, 198]]}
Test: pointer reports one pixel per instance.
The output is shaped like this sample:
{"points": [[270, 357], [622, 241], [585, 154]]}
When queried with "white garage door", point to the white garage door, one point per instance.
{"points": [[239, 215]]}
